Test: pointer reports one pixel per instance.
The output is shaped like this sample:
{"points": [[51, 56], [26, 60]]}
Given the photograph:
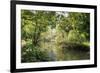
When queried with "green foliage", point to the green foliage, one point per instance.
{"points": [[76, 37], [31, 53], [80, 22], [50, 33]]}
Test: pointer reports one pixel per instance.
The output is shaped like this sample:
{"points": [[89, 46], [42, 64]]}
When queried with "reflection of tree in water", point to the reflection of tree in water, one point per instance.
{"points": [[64, 51]]}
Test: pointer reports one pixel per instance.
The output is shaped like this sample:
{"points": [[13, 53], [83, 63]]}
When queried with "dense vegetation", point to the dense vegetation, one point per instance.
{"points": [[54, 36]]}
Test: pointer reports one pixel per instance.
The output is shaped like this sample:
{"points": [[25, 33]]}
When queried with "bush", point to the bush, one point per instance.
{"points": [[76, 37], [31, 53]]}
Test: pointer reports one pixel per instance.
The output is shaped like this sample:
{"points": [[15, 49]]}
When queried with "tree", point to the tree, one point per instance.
{"points": [[80, 22]]}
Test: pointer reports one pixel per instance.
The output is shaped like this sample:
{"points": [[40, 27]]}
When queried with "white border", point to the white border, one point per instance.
{"points": [[20, 65]]}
